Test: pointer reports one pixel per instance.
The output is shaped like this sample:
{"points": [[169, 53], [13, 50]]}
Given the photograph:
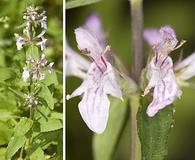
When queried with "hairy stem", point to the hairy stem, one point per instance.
{"points": [[137, 42]]}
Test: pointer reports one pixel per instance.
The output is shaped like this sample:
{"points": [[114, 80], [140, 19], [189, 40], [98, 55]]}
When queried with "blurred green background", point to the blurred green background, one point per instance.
{"points": [[116, 21]]}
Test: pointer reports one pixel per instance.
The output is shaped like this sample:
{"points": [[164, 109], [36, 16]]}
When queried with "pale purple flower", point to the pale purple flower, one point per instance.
{"points": [[20, 41], [34, 19], [160, 69], [162, 78], [76, 65], [186, 68], [99, 82], [36, 67], [26, 74]]}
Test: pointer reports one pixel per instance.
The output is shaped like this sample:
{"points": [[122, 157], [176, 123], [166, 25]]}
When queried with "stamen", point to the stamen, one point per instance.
{"points": [[180, 44]]}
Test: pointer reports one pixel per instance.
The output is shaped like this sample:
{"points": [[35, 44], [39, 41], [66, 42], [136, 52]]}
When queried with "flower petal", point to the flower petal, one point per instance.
{"points": [[165, 86], [94, 109], [76, 65], [169, 40], [26, 74], [152, 37], [110, 84], [186, 62], [79, 91], [88, 43], [164, 94], [163, 41], [186, 68], [93, 24], [20, 41]]}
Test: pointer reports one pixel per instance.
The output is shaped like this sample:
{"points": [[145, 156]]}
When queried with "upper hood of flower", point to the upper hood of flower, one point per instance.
{"points": [[93, 24], [163, 41]]}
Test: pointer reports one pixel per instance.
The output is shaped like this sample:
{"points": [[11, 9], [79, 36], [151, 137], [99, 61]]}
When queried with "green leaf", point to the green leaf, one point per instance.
{"points": [[79, 3], [8, 105], [6, 73], [50, 79], [51, 125], [2, 57], [38, 154], [47, 96], [154, 131], [5, 115], [43, 140], [128, 86], [104, 145], [16, 92], [14, 145], [32, 51], [57, 115], [2, 153], [5, 133], [23, 127]]}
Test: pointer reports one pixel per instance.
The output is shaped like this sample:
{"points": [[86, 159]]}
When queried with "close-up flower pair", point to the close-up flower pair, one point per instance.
{"points": [[130, 67]]}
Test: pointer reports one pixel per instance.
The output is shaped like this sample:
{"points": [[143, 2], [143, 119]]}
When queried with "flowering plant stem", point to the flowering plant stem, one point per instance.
{"points": [[137, 61], [137, 42]]}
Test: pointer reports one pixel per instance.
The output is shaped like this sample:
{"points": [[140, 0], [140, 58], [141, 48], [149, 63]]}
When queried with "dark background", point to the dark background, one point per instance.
{"points": [[115, 15]]}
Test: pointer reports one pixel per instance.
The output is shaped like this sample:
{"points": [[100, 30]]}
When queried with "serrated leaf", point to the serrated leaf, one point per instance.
{"points": [[51, 125], [47, 96], [105, 144], [154, 131], [38, 154], [79, 3], [14, 145], [23, 127]]}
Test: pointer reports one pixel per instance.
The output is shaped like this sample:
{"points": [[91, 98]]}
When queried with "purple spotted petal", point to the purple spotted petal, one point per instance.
{"points": [[163, 41], [94, 106], [94, 109], [163, 80], [169, 40]]}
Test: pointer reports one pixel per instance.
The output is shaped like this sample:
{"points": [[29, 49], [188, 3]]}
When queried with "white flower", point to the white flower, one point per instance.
{"points": [[161, 75], [162, 78], [98, 83], [20, 41], [26, 74], [37, 67], [34, 19]]}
